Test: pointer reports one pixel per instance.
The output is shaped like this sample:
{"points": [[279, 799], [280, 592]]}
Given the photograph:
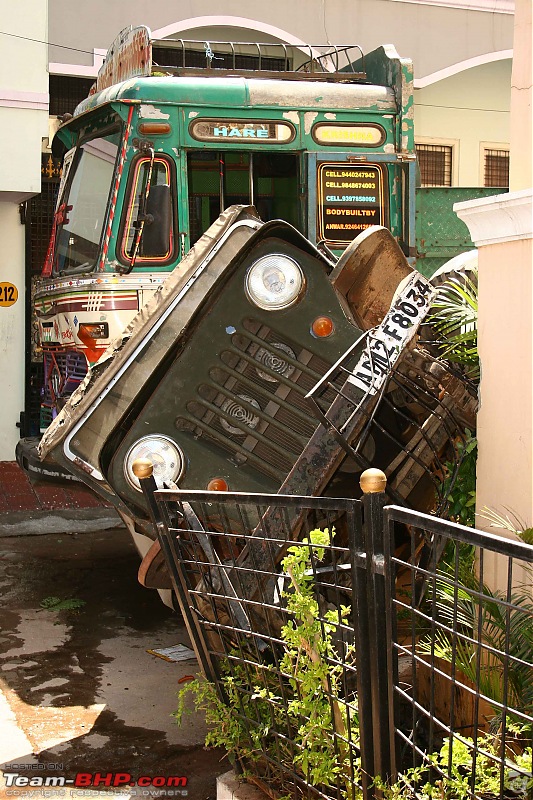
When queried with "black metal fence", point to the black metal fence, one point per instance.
{"points": [[353, 649], [461, 659]]}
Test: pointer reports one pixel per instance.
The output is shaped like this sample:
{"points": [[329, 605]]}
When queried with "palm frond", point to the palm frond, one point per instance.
{"points": [[454, 319], [509, 522], [505, 644]]}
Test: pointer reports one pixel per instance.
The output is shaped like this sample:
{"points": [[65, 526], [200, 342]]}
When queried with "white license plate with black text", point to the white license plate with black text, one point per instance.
{"points": [[385, 342]]}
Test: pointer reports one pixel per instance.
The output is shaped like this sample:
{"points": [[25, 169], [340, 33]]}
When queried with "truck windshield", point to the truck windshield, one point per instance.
{"points": [[83, 206]]}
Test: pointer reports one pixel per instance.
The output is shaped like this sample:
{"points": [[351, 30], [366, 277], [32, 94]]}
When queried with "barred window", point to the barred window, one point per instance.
{"points": [[66, 92], [435, 162], [496, 169]]}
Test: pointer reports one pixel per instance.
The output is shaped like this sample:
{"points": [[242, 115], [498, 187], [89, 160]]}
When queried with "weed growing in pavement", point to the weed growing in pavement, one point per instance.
{"points": [[57, 604]]}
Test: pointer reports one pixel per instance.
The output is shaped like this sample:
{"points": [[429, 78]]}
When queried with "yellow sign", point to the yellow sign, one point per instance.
{"points": [[8, 294], [349, 134], [350, 200]]}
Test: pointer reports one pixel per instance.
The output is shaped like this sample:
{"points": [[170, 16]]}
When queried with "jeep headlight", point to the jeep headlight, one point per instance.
{"points": [[165, 455], [274, 282]]}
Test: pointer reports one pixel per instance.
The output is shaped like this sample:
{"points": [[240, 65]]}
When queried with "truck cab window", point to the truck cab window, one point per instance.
{"points": [[82, 210], [146, 176], [218, 179]]}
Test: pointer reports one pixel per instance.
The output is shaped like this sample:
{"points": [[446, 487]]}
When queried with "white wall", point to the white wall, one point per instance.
{"points": [[11, 330], [23, 64], [23, 124], [23, 97], [468, 108], [21, 134]]}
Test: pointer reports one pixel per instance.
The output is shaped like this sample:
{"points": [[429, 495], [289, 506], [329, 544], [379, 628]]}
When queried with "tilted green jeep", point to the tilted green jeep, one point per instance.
{"points": [[264, 365]]}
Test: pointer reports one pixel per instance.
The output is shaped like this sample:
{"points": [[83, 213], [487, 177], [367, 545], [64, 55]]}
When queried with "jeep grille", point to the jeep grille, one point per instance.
{"points": [[253, 403]]}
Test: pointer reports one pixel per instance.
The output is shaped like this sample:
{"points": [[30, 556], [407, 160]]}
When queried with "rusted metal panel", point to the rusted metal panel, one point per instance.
{"points": [[369, 273]]}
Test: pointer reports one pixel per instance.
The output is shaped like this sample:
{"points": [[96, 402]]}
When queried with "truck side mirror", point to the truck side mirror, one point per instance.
{"points": [[158, 221]]}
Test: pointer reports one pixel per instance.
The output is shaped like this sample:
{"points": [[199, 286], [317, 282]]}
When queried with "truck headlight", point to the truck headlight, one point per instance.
{"points": [[165, 455], [274, 282]]}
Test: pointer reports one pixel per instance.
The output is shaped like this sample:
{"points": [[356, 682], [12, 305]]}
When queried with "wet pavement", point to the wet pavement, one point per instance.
{"points": [[80, 693]]}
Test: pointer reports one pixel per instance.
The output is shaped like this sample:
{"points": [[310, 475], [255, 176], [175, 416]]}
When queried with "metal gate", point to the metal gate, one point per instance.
{"points": [[351, 647]]}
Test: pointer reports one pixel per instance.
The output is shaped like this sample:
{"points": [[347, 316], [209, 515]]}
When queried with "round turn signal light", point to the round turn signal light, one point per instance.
{"points": [[322, 327], [217, 485]]}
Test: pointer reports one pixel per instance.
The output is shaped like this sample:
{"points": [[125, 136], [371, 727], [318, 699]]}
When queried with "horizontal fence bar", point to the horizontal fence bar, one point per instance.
{"points": [[474, 536], [266, 500]]}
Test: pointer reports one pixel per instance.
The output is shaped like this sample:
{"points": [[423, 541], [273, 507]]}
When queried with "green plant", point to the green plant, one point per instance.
{"points": [[509, 522], [460, 489], [506, 634], [225, 720], [455, 776], [456, 759], [322, 723], [314, 671], [57, 604], [454, 318], [323, 727]]}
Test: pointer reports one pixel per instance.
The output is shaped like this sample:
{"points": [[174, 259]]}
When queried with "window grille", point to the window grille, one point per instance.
{"points": [[497, 168], [66, 92], [170, 57], [435, 162], [41, 214]]}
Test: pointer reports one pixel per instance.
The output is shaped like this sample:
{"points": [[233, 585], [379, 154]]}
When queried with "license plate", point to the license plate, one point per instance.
{"points": [[385, 342]]}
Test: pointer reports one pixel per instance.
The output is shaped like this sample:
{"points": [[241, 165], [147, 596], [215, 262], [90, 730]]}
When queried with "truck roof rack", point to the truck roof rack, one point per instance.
{"points": [[135, 53], [195, 57]]}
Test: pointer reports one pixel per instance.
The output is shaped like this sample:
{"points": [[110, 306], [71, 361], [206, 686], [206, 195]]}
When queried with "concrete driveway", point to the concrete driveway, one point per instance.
{"points": [[79, 691]]}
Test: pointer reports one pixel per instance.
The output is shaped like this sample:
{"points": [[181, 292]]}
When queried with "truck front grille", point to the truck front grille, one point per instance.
{"points": [[253, 403], [63, 372]]}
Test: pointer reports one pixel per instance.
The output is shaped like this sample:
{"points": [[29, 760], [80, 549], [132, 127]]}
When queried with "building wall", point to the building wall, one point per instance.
{"points": [[23, 97], [12, 344], [466, 110], [21, 133], [440, 36], [23, 123], [502, 228], [433, 35]]}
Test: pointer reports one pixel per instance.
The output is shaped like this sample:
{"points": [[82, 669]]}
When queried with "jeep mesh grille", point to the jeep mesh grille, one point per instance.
{"points": [[253, 402]]}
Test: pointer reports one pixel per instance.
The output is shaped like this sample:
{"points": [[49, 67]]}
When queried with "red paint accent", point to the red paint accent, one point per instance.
{"points": [[60, 217], [120, 168], [94, 351]]}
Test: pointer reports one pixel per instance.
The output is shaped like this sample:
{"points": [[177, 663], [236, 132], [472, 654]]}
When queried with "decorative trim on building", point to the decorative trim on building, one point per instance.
{"points": [[231, 22], [17, 197], [79, 70], [497, 219], [36, 101], [461, 66], [84, 71], [488, 6]]}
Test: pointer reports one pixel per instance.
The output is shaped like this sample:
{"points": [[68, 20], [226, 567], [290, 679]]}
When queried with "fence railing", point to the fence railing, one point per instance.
{"points": [[461, 679], [355, 650]]}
